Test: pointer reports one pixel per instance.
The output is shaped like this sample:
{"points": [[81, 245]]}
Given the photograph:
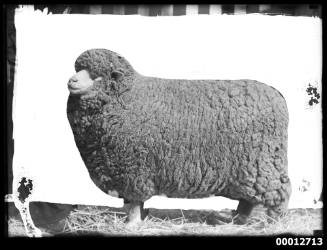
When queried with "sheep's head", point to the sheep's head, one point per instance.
{"points": [[98, 69]]}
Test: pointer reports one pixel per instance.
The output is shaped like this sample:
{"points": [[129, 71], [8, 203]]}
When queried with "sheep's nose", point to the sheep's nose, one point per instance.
{"points": [[72, 81]]}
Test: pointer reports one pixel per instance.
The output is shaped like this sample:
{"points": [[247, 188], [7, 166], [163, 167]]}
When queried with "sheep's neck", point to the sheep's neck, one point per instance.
{"points": [[83, 115], [90, 119]]}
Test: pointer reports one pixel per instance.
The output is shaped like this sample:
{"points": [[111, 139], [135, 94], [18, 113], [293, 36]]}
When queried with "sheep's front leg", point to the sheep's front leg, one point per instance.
{"points": [[244, 210], [135, 212]]}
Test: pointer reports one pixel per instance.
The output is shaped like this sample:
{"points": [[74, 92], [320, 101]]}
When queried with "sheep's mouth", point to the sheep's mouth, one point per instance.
{"points": [[77, 90], [72, 88]]}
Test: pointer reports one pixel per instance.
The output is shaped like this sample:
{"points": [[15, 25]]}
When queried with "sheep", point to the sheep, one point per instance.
{"points": [[142, 136]]}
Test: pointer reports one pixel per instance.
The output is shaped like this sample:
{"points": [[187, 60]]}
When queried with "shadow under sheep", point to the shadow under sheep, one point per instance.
{"points": [[210, 217]]}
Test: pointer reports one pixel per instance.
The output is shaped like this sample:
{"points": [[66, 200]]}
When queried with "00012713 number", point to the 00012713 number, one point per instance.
{"points": [[301, 241]]}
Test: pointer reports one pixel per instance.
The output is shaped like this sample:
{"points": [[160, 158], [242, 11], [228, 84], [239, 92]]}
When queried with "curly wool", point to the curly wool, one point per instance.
{"points": [[181, 138], [103, 63]]}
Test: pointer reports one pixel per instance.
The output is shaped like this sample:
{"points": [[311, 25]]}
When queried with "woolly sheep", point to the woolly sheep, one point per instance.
{"points": [[142, 136]]}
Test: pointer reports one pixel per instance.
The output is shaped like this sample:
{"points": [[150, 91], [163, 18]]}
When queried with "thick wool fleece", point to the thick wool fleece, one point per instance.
{"points": [[144, 136]]}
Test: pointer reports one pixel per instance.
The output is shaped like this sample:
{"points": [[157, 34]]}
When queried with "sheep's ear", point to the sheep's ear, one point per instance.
{"points": [[117, 75]]}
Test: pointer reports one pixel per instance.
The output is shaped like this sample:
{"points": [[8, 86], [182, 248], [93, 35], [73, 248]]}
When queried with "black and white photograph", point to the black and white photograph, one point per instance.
{"points": [[164, 120]]}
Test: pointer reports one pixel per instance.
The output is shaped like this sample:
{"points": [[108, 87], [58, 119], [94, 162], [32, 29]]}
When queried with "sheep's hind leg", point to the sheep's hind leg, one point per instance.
{"points": [[278, 211], [278, 207], [243, 211], [135, 212]]}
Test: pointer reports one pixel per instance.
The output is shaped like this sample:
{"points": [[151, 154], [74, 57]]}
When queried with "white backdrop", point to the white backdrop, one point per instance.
{"points": [[284, 52]]}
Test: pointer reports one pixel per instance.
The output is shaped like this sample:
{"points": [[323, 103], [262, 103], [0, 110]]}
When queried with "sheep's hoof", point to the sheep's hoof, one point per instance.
{"points": [[274, 214], [240, 219], [135, 213], [273, 217], [132, 225]]}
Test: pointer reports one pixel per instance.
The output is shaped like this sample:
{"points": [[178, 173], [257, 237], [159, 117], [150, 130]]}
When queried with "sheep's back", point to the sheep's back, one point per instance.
{"points": [[193, 136]]}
